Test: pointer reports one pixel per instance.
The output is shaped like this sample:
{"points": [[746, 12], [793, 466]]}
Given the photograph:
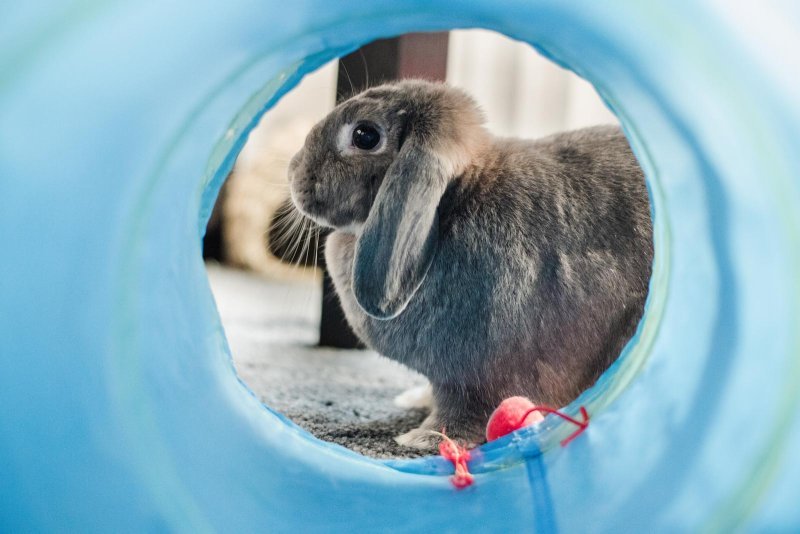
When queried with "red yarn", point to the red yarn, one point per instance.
{"points": [[459, 455], [582, 425]]}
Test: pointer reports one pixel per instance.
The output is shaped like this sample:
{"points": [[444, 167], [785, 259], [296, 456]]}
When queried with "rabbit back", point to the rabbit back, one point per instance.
{"points": [[540, 276]]}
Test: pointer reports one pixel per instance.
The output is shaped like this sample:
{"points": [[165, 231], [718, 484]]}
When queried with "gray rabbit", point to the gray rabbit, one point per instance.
{"points": [[493, 266]]}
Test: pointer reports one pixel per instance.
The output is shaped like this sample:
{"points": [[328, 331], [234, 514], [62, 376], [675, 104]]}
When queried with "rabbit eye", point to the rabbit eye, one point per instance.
{"points": [[366, 137]]}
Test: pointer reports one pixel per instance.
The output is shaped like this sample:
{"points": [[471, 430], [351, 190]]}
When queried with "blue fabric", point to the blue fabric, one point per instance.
{"points": [[119, 407]]}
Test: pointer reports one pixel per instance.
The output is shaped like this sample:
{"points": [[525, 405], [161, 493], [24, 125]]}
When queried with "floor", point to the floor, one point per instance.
{"points": [[343, 396]]}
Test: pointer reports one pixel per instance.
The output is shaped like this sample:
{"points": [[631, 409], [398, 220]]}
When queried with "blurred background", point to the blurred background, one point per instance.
{"points": [[288, 336]]}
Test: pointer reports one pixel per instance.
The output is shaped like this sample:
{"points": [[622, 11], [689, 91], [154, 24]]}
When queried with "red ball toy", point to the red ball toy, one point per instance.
{"points": [[512, 414]]}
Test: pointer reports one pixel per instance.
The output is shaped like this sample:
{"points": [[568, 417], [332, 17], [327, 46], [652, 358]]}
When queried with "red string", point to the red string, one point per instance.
{"points": [[459, 455], [582, 425]]}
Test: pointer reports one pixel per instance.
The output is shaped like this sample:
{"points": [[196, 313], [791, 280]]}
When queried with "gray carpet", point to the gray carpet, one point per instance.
{"points": [[343, 396]]}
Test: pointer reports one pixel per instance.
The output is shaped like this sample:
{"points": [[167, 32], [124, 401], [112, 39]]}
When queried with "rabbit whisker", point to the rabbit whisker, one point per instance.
{"points": [[352, 87], [366, 67], [286, 229]]}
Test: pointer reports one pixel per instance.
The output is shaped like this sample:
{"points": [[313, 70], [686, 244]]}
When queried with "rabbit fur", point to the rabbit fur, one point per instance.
{"points": [[493, 266]]}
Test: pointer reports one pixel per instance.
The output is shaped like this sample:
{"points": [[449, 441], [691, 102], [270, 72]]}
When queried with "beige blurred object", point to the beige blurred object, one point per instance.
{"points": [[253, 194], [258, 186]]}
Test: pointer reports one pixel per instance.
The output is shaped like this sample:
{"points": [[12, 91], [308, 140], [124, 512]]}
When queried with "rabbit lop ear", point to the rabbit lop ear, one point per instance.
{"points": [[400, 236], [399, 239]]}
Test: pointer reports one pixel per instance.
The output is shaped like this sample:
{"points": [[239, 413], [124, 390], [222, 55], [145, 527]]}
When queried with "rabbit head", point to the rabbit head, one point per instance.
{"points": [[377, 167]]}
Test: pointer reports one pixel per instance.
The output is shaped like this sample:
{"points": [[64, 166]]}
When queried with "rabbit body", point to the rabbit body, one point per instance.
{"points": [[523, 271]]}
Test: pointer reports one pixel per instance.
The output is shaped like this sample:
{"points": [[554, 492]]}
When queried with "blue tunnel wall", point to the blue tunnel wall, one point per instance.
{"points": [[119, 407]]}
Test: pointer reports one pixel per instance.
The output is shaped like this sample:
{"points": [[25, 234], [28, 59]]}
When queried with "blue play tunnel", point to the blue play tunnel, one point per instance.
{"points": [[119, 407]]}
